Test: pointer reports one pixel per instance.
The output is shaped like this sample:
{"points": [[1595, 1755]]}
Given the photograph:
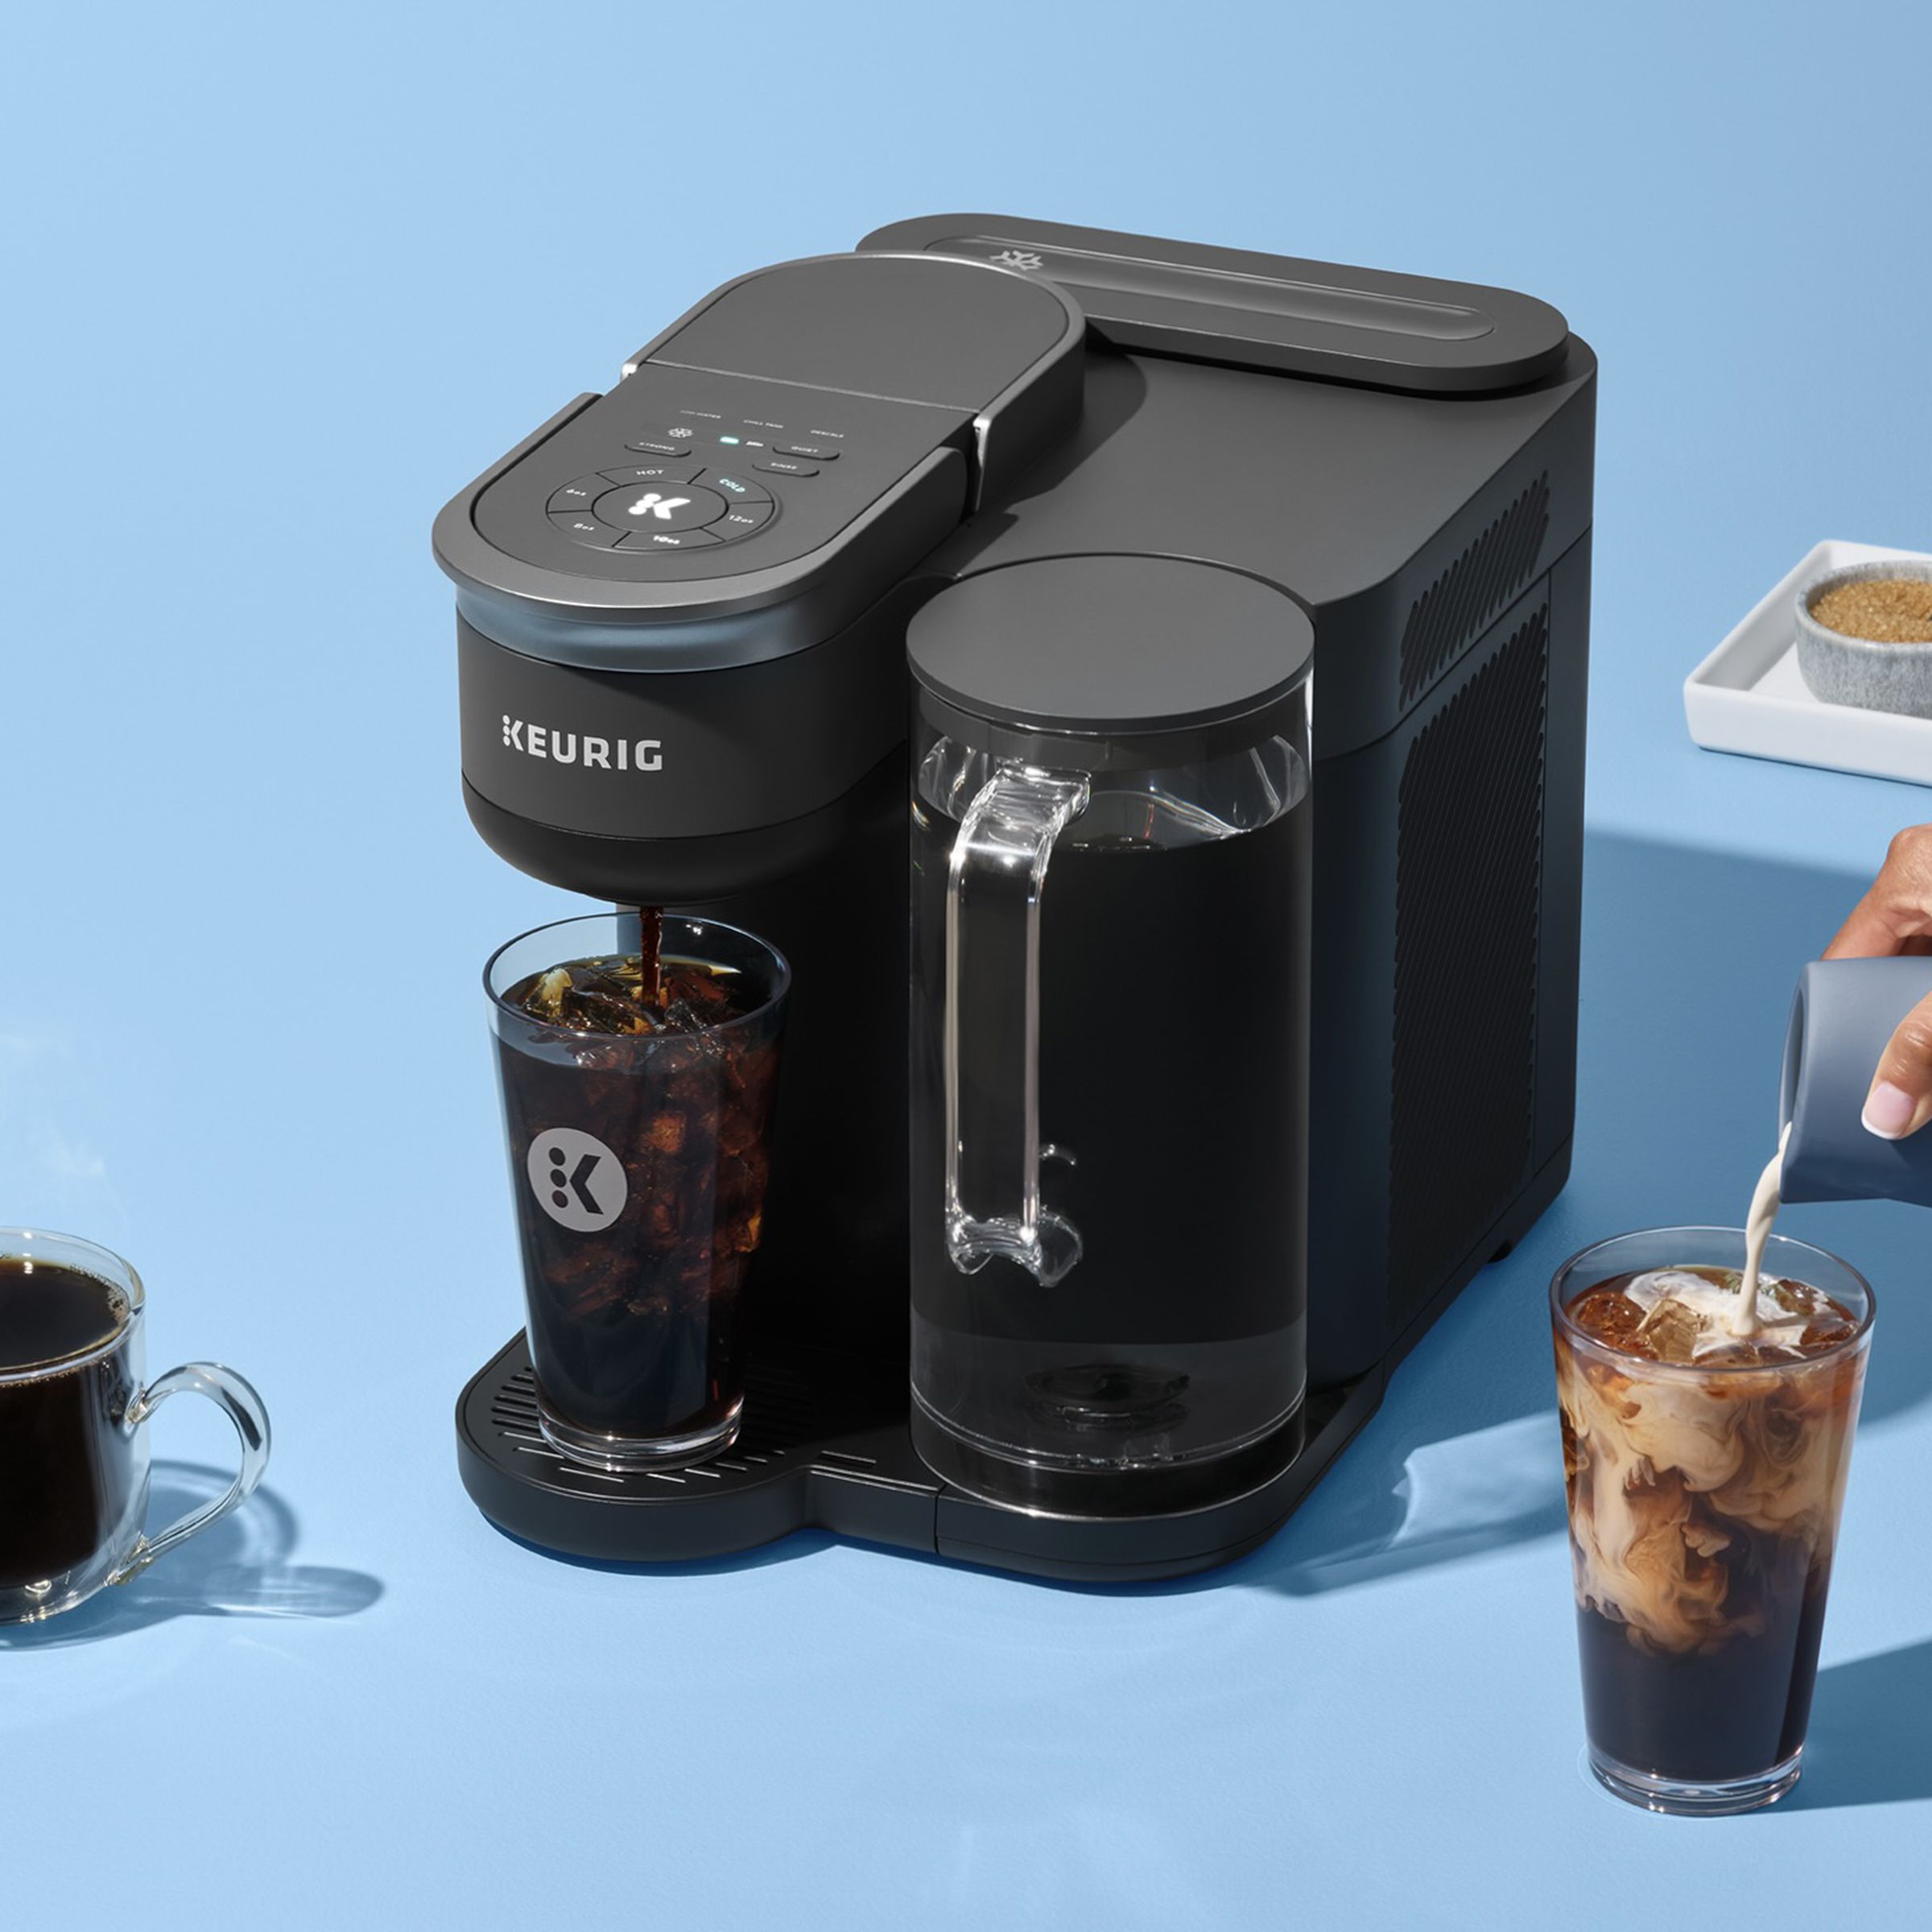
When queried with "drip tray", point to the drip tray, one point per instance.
{"points": [[825, 1445]]}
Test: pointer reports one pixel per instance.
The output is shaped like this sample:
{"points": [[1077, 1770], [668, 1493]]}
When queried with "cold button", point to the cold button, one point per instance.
{"points": [[813, 452], [668, 539], [784, 466], [581, 527], [740, 490]]}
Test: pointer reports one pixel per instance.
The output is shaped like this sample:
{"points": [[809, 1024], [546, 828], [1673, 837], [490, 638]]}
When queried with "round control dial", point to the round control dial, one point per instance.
{"points": [[659, 505]]}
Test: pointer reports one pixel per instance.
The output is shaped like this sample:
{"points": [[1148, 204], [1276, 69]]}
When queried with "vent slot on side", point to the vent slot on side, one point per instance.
{"points": [[1462, 603], [1468, 885]]}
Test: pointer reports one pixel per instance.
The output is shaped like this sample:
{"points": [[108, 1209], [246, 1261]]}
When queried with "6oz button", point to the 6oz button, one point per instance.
{"points": [[579, 495]]}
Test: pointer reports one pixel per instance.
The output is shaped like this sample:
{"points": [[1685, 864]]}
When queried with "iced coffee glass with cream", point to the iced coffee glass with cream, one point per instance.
{"points": [[1706, 1444]]}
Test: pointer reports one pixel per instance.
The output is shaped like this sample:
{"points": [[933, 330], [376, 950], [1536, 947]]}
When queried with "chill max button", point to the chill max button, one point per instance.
{"points": [[579, 1182]]}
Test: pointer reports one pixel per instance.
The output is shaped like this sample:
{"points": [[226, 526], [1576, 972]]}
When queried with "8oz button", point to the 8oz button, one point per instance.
{"points": [[580, 526]]}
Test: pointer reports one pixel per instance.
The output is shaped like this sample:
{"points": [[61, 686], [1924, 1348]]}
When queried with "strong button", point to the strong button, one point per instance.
{"points": [[659, 507]]}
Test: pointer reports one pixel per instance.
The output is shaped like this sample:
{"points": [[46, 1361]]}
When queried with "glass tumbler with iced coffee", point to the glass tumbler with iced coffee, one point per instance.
{"points": [[1707, 1438], [637, 1054]]}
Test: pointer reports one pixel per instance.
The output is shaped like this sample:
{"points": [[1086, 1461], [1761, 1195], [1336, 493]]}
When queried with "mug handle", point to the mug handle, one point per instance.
{"points": [[233, 1396]]}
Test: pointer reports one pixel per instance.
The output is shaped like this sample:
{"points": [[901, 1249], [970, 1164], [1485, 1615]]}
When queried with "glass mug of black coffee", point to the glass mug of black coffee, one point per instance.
{"points": [[73, 1446], [637, 1056]]}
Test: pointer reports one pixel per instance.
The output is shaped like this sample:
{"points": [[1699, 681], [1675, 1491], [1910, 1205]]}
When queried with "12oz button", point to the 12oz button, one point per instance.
{"points": [[783, 466], [668, 539], [741, 519], [813, 452], [580, 526]]}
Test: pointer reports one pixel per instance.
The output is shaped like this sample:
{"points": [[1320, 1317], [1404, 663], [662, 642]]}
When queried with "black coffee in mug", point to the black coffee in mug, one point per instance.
{"points": [[73, 1449], [68, 1469]]}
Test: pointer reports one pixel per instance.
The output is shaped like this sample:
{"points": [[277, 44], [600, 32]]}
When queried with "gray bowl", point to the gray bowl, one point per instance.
{"points": [[1857, 670]]}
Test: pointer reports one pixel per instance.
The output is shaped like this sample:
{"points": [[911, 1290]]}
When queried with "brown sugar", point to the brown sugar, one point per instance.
{"points": [[1885, 610]]}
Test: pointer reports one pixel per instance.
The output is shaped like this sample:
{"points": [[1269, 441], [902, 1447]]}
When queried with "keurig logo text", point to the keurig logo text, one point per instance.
{"points": [[579, 1182], [567, 748]]}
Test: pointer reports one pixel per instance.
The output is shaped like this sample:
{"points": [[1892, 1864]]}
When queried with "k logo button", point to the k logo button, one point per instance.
{"points": [[579, 1182]]}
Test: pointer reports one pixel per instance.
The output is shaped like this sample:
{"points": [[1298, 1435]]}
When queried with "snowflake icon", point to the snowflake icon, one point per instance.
{"points": [[681, 430], [1017, 258]]}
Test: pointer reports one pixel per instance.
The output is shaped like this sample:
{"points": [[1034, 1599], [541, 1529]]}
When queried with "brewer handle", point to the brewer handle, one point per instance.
{"points": [[235, 1397], [992, 1044]]}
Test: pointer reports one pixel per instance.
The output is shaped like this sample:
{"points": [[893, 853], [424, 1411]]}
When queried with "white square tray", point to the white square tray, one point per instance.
{"points": [[1747, 695]]}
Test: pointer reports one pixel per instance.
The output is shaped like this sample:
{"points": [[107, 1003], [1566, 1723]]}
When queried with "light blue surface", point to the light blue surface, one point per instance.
{"points": [[281, 279]]}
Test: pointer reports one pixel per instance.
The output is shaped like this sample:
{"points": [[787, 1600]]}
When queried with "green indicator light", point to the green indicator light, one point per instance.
{"points": [[728, 439]]}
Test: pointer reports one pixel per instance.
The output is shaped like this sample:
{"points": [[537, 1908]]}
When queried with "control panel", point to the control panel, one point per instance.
{"points": [[674, 466]]}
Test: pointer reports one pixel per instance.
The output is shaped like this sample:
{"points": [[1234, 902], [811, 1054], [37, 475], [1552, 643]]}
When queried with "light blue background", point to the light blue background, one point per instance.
{"points": [[280, 279]]}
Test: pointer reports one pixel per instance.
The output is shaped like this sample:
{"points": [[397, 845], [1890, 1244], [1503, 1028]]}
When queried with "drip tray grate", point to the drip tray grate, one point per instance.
{"points": [[825, 1445]]}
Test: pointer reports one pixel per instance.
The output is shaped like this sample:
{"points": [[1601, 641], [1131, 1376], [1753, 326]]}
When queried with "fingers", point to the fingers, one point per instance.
{"points": [[1896, 913], [1901, 1100]]}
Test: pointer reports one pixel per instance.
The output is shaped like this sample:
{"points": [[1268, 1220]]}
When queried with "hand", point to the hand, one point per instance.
{"points": [[1896, 916]]}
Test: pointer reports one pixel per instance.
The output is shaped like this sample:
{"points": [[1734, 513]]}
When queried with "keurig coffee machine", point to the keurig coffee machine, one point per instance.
{"points": [[1140, 688]]}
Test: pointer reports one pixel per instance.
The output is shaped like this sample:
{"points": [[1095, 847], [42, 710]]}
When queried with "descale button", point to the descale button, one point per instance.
{"points": [[668, 539], [813, 452], [784, 466], [581, 527]]}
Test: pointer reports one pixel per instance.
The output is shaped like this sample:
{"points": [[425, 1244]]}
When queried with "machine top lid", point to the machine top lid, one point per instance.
{"points": [[1412, 333], [1110, 645]]}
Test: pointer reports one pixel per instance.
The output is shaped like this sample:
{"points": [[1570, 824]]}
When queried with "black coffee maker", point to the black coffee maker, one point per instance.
{"points": [[1115, 495]]}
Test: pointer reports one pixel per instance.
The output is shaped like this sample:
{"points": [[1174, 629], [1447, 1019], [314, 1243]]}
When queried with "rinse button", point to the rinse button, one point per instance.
{"points": [[784, 466]]}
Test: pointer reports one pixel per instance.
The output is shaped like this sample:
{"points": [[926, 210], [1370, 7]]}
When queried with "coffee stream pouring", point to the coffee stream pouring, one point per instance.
{"points": [[1844, 1013]]}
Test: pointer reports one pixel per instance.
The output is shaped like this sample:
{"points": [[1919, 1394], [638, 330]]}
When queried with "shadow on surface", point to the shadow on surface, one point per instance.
{"points": [[1689, 958], [798, 1543], [238, 1568], [1869, 1743]]}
